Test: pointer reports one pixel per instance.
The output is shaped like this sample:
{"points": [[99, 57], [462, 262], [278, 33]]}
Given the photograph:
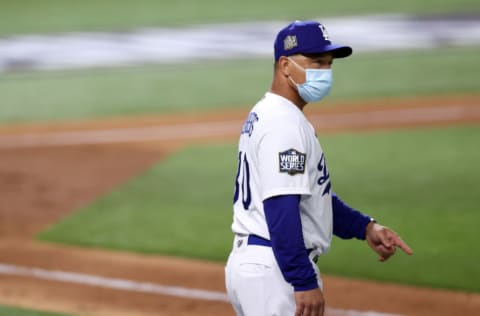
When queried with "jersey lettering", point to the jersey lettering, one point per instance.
{"points": [[243, 188], [237, 185], [325, 175], [249, 124]]}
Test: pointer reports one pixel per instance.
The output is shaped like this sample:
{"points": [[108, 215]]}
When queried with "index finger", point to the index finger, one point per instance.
{"points": [[402, 245], [299, 309]]}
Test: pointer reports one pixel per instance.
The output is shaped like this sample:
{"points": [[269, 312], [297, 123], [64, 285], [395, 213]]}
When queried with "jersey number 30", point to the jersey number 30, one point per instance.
{"points": [[242, 182]]}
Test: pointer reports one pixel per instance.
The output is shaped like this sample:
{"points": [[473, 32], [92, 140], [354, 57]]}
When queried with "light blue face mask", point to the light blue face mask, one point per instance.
{"points": [[317, 84]]}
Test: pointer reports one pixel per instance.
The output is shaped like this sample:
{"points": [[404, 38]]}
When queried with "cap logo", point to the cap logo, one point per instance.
{"points": [[290, 42], [324, 32]]}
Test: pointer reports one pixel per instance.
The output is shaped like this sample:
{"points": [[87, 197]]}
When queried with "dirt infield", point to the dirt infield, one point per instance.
{"points": [[48, 170]]}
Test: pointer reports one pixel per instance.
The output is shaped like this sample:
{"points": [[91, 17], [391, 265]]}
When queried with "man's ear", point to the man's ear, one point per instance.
{"points": [[284, 66]]}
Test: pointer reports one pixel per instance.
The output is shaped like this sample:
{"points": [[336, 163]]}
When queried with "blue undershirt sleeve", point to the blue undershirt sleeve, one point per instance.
{"points": [[348, 222], [282, 214]]}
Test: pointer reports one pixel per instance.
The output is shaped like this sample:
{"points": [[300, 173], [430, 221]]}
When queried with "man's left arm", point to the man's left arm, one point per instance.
{"points": [[349, 223]]}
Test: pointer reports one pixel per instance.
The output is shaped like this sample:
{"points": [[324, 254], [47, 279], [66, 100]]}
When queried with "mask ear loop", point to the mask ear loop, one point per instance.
{"points": [[290, 76], [295, 63], [292, 81]]}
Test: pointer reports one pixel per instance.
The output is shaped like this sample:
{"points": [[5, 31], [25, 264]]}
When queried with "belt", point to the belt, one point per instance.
{"points": [[260, 241]]}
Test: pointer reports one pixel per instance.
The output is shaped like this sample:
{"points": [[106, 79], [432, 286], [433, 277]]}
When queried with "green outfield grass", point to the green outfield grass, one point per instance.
{"points": [[10, 311], [30, 16], [420, 182], [58, 95]]}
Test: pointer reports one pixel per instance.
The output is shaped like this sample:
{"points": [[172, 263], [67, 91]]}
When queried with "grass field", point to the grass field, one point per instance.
{"points": [[32, 16], [413, 180], [9, 311], [58, 95]]}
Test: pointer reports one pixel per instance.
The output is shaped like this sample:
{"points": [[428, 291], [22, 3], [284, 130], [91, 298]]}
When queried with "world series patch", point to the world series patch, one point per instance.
{"points": [[292, 161]]}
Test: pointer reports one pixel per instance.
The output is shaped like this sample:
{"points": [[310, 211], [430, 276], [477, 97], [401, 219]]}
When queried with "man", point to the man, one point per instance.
{"points": [[284, 209]]}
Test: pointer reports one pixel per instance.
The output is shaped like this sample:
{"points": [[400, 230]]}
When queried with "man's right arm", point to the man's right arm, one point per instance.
{"points": [[283, 220], [282, 214]]}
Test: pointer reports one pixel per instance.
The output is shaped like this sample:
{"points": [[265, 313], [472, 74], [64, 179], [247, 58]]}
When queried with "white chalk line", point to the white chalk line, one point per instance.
{"points": [[193, 131], [142, 287], [111, 283]]}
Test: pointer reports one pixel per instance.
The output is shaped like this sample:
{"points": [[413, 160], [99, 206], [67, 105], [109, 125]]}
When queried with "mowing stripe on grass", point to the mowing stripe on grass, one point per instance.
{"points": [[143, 287], [122, 135], [388, 117]]}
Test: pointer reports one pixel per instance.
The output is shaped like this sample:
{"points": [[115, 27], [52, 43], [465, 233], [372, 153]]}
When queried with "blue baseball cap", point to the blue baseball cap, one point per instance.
{"points": [[307, 37]]}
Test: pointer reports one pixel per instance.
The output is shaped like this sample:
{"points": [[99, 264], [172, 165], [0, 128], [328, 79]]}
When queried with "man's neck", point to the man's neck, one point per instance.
{"points": [[288, 94]]}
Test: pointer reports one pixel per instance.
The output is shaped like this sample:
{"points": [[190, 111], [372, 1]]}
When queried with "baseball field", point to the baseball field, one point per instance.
{"points": [[116, 182]]}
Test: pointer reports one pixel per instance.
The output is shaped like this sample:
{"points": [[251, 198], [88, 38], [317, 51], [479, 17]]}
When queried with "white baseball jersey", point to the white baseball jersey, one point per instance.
{"points": [[279, 154]]}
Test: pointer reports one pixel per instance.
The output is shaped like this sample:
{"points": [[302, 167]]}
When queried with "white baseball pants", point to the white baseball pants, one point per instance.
{"points": [[255, 284]]}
